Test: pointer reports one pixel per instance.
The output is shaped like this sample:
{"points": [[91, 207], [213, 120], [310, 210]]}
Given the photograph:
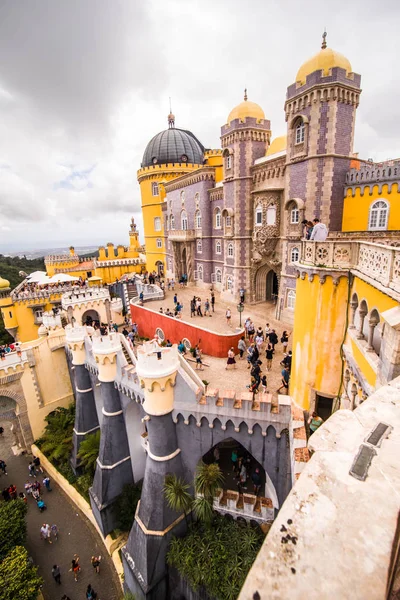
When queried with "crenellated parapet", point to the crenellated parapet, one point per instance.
{"points": [[105, 349], [75, 339]]}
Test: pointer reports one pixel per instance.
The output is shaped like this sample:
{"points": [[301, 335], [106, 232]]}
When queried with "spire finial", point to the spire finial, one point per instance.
{"points": [[323, 46], [171, 117], [245, 93]]}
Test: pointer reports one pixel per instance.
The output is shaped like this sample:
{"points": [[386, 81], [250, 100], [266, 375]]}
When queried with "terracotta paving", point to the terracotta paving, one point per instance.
{"points": [[216, 373]]}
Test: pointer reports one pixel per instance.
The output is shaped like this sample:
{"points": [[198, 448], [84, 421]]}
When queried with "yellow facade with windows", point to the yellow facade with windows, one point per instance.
{"points": [[359, 203]]}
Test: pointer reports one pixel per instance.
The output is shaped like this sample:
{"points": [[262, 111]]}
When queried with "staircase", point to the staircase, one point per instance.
{"points": [[132, 291], [127, 355]]}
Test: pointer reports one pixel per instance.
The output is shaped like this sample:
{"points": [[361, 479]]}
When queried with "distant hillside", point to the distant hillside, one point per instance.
{"points": [[10, 266]]}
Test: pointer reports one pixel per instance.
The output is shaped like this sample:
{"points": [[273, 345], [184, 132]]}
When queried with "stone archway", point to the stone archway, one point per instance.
{"points": [[89, 316], [12, 407], [266, 284]]}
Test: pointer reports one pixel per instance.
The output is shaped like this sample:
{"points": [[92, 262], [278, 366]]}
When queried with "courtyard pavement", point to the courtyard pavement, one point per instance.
{"points": [[260, 314], [77, 535]]}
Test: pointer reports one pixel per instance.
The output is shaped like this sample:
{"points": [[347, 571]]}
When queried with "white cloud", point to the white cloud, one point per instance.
{"points": [[85, 84]]}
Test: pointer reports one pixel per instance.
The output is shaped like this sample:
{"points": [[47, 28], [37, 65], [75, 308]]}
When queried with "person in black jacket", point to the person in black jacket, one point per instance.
{"points": [[273, 339]]}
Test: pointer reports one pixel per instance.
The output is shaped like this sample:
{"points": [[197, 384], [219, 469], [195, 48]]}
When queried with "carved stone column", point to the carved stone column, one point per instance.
{"points": [[353, 308], [353, 394], [373, 322], [363, 314]]}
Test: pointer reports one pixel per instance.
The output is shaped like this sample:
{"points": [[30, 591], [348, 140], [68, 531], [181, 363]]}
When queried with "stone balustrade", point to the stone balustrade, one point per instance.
{"points": [[377, 261], [39, 293], [181, 235], [247, 506], [12, 359]]}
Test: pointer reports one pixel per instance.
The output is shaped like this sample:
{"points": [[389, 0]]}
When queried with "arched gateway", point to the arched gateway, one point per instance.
{"points": [[266, 284]]}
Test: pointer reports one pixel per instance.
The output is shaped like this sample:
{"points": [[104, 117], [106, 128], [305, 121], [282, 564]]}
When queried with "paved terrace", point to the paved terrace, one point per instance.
{"points": [[215, 373]]}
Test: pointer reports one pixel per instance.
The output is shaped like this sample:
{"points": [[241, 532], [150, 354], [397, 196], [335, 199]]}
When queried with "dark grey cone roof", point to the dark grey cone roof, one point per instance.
{"points": [[173, 146]]}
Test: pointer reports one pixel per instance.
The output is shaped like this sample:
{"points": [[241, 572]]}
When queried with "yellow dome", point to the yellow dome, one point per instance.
{"points": [[277, 145], [324, 60], [246, 109], [4, 284]]}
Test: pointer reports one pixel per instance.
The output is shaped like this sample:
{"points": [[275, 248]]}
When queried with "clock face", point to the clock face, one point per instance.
{"points": [[154, 161], [184, 158]]}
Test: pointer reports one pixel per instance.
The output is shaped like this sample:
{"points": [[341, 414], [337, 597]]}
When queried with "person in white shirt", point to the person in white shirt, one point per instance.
{"points": [[320, 232]]}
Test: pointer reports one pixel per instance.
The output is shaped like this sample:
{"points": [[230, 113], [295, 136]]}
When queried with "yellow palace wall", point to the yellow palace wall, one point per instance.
{"points": [[319, 323], [356, 209], [375, 299], [23, 316]]}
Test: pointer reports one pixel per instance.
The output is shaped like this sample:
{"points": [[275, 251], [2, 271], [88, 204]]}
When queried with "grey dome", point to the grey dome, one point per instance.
{"points": [[173, 146]]}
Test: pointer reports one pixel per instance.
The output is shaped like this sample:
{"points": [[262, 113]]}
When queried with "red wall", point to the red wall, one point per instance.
{"points": [[211, 343]]}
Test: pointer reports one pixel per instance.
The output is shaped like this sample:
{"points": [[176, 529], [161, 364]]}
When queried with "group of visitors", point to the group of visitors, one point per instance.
{"points": [[75, 570], [314, 230], [197, 308], [242, 467], [7, 349]]}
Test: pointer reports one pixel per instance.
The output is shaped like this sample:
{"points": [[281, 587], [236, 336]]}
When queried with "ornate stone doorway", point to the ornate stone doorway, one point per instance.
{"points": [[89, 316], [266, 284]]}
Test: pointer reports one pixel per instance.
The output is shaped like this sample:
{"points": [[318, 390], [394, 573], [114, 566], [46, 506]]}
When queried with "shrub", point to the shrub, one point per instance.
{"points": [[18, 577], [125, 506], [12, 525], [89, 451], [217, 558], [83, 483], [56, 441]]}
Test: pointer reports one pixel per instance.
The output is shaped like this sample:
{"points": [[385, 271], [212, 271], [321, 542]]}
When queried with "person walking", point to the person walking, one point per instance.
{"points": [[250, 352], [251, 331], [90, 593], [246, 327], [3, 467], [231, 358], [75, 566], [96, 563], [175, 298], [54, 531], [6, 494], [273, 339], [314, 422], [197, 354], [269, 354], [287, 361], [264, 383], [234, 460], [212, 300], [256, 479], [285, 341], [228, 316], [198, 307], [56, 574], [45, 532], [46, 483], [242, 347], [193, 307], [31, 468], [36, 462], [207, 309], [285, 380]]}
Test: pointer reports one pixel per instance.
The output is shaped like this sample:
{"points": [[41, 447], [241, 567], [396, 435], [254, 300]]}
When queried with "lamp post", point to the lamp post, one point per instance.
{"points": [[240, 308]]}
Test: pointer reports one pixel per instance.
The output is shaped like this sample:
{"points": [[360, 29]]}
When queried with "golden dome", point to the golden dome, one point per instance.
{"points": [[4, 284], [278, 144], [246, 109], [324, 60]]}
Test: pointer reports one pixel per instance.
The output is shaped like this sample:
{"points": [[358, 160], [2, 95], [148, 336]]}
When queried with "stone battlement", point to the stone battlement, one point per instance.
{"points": [[78, 296], [153, 361]]}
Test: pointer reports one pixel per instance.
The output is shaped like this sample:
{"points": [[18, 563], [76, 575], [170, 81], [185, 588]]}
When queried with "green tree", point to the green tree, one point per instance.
{"points": [[12, 526], [89, 451], [18, 578], [208, 480], [177, 495], [56, 442]]}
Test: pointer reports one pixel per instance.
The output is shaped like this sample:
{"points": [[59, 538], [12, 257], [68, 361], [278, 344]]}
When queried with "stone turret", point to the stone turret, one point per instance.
{"points": [[86, 420], [155, 523], [113, 469]]}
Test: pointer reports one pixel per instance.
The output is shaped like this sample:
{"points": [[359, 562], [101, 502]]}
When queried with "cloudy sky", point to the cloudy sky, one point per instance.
{"points": [[85, 84]]}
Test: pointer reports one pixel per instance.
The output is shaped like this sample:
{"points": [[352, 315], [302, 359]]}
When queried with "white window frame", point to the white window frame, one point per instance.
{"points": [[291, 299], [154, 188], [218, 247], [378, 215], [228, 221], [218, 275], [199, 246], [229, 283], [200, 272], [294, 254], [157, 224], [184, 220], [229, 162], [300, 133], [258, 216], [198, 219], [218, 218], [171, 223], [159, 243], [294, 216], [230, 251], [271, 210]]}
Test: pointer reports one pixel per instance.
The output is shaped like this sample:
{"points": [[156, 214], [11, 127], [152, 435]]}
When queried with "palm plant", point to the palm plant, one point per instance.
{"points": [[177, 495], [89, 451], [56, 441], [207, 482]]}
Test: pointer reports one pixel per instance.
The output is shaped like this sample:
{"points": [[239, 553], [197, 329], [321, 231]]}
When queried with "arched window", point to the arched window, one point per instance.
{"points": [[217, 218], [197, 199], [258, 219], [154, 188], [294, 255], [172, 222], [184, 220], [218, 275], [218, 247], [229, 283], [271, 215], [228, 221], [199, 246], [378, 215], [159, 243], [294, 216], [300, 132], [230, 249], [291, 299], [229, 161], [198, 219], [157, 224], [200, 272]]}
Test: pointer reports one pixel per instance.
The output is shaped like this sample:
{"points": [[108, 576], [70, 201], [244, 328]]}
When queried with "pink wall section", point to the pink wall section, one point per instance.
{"points": [[211, 343]]}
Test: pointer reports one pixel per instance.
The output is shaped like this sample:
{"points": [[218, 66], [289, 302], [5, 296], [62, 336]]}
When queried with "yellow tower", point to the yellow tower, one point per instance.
{"points": [[7, 308], [169, 154]]}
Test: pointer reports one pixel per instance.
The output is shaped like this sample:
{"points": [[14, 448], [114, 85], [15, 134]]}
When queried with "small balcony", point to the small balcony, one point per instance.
{"points": [[181, 235]]}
